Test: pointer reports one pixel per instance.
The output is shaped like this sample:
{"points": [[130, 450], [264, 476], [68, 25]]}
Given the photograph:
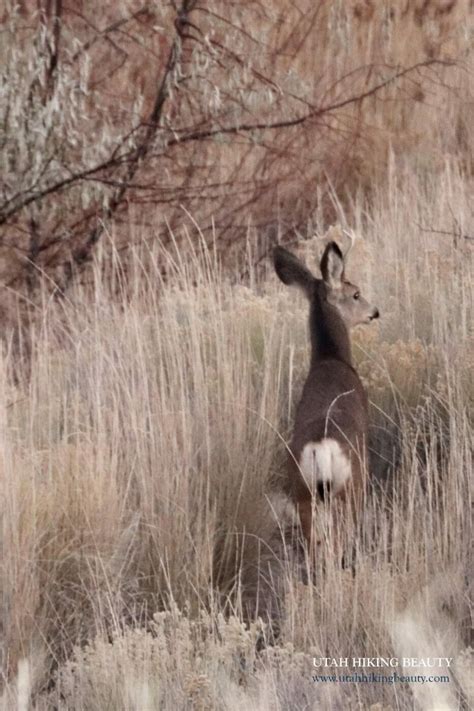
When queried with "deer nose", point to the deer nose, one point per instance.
{"points": [[375, 314]]}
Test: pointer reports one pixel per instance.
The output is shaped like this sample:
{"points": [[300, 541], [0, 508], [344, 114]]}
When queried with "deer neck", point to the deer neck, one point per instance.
{"points": [[329, 334]]}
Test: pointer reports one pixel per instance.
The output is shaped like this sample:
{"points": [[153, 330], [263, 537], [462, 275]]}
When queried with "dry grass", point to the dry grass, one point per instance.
{"points": [[139, 461]]}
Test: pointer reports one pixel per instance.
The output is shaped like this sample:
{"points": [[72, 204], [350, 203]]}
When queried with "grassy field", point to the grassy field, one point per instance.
{"points": [[146, 563]]}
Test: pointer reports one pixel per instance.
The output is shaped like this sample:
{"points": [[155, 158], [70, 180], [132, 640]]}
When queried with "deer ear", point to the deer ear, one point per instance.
{"points": [[291, 270], [332, 265]]}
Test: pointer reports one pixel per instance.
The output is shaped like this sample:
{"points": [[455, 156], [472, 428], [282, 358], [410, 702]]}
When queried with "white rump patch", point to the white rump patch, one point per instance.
{"points": [[325, 462]]}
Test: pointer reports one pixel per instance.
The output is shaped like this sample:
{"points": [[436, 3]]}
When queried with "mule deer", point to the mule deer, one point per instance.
{"points": [[328, 447]]}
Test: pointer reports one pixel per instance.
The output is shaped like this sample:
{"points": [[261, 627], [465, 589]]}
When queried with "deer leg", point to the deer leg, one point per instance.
{"points": [[344, 530], [304, 509]]}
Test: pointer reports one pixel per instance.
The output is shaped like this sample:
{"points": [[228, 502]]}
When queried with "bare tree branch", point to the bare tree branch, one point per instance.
{"points": [[311, 115], [81, 254]]}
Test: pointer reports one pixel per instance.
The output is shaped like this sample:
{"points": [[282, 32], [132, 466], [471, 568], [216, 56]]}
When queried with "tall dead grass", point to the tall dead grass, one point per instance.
{"points": [[142, 522]]}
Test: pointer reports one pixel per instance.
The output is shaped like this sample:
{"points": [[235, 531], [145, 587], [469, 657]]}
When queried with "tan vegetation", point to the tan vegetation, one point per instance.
{"points": [[141, 451], [149, 558]]}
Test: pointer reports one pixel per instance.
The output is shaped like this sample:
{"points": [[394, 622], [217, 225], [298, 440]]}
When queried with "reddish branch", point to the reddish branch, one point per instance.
{"points": [[81, 254], [151, 126], [119, 170]]}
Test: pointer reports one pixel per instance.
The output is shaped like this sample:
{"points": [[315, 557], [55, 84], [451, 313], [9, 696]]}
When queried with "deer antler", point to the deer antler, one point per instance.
{"points": [[351, 241]]}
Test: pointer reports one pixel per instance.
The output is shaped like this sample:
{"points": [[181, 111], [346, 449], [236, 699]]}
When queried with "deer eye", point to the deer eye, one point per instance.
{"points": [[357, 295]]}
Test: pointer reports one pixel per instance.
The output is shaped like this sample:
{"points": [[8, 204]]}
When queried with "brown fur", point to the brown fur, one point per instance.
{"points": [[333, 403]]}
